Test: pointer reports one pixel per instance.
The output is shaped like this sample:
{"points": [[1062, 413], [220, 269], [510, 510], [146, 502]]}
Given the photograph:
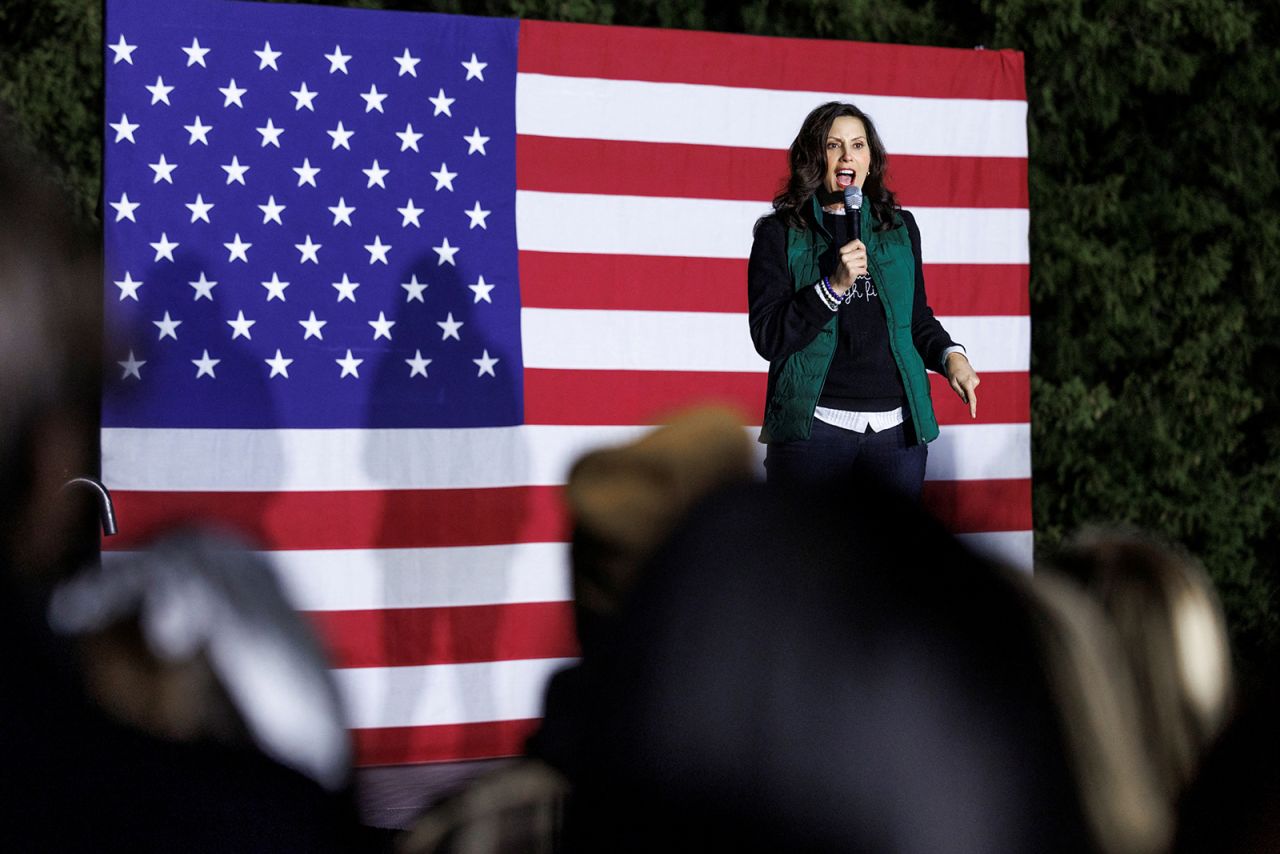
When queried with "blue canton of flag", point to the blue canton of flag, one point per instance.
{"points": [[310, 218]]}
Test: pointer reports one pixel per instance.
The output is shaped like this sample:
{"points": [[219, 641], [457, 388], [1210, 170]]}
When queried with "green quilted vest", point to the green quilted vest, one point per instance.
{"points": [[795, 382]]}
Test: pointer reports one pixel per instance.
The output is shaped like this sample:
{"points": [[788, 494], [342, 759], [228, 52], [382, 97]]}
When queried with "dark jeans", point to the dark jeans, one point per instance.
{"points": [[834, 453]]}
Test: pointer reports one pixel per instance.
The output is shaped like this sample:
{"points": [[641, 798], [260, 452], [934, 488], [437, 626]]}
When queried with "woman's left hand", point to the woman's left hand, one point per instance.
{"points": [[963, 380]]}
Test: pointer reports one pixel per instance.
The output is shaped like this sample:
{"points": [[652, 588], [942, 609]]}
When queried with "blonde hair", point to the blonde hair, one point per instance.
{"points": [[1171, 629]]}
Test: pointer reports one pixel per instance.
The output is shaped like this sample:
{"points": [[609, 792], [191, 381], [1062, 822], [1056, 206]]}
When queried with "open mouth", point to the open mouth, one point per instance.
{"points": [[844, 177]]}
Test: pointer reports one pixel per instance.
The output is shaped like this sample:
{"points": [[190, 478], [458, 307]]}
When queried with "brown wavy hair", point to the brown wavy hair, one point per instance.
{"points": [[808, 158]]}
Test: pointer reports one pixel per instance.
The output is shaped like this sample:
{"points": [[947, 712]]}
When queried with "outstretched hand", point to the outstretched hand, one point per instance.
{"points": [[964, 381]]}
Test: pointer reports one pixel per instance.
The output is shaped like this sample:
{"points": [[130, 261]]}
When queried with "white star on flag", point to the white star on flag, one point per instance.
{"points": [[199, 208], [477, 216], [310, 251], [377, 250], [413, 289], [275, 288], [267, 57], [312, 326], [271, 211], [163, 170], [235, 171], [203, 287], [159, 92], [408, 64], [382, 326], [375, 175], [444, 178], [279, 365], [303, 98], [476, 142], [450, 327], [417, 365], [164, 247], [128, 287], [481, 289], [408, 138], [442, 103], [199, 132], [342, 212], [341, 137], [232, 94], [373, 99], [306, 172], [125, 208], [204, 366], [238, 249], [132, 366], [195, 53], [337, 60], [124, 129], [270, 134], [410, 214], [123, 53], [346, 288], [486, 365], [446, 253], [168, 327], [350, 366], [475, 69], [240, 327]]}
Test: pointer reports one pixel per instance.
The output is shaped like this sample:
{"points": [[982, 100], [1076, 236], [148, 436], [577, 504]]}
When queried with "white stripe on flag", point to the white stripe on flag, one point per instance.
{"points": [[531, 455], [594, 224], [594, 108], [447, 577], [1013, 548], [981, 452], [597, 339], [439, 694]]}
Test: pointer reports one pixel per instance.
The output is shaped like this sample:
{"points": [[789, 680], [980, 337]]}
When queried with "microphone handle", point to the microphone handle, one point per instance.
{"points": [[853, 218]]}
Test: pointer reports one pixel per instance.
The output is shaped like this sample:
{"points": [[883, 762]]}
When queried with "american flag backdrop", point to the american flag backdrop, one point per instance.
{"points": [[374, 280]]}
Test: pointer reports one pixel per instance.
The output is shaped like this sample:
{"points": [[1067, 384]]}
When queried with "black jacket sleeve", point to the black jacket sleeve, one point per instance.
{"points": [[927, 333], [783, 320]]}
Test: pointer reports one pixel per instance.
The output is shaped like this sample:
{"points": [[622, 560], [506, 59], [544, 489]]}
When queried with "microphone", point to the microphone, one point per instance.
{"points": [[853, 210]]}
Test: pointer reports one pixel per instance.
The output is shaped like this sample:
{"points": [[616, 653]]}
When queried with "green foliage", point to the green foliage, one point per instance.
{"points": [[1155, 190], [51, 88], [1153, 131]]}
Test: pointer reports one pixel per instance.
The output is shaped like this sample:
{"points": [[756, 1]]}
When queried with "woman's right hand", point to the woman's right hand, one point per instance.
{"points": [[853, 263]]}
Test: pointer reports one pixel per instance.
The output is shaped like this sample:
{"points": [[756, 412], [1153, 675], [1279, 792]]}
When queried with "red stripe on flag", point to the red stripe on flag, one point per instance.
{"points": [[680, 56], [398, 637], [449, 743], [632, 282], [975, 506], [651, 397], [400, 518], [963, 290], [1004, 397], [959, 182], [408, 518], [656, 283], [559, 165]]}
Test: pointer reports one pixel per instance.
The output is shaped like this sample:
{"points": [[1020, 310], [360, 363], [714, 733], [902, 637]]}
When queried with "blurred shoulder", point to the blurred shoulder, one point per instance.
{"points": [[771, 225]]}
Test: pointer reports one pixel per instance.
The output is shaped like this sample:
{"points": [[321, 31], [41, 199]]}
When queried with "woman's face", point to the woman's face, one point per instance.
{"points": [[848, 154]]}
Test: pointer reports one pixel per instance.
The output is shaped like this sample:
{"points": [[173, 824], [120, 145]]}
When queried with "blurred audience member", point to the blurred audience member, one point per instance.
{"points": [[624, 503], [1233, 805], [74, 777], [1173, 635], [1125, 805], [825, 670]]}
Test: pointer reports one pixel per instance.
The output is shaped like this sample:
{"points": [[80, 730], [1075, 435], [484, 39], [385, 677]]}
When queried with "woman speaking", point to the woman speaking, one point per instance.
{"points": [[838, 307]]}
